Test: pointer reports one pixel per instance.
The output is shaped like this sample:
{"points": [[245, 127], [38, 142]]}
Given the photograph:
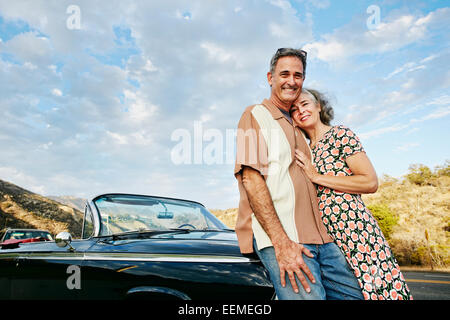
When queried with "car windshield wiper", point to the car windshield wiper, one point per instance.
{"points": [[142, 233]]}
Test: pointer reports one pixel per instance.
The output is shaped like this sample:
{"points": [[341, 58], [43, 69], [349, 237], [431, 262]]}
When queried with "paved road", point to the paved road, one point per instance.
{"points": [[428, 285]]}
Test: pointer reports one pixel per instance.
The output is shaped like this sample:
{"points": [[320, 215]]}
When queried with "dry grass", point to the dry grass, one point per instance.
{"points": [[228, 216], [20, 208], [423, 212], [27, 218]]}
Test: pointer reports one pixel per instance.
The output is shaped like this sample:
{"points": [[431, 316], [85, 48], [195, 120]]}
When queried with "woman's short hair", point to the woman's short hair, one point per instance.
{"points": [[326, 110]]}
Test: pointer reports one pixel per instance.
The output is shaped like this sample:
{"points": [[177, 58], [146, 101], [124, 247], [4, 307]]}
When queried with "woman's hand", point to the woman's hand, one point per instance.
{"points": [[363, 178], [306, 165]]}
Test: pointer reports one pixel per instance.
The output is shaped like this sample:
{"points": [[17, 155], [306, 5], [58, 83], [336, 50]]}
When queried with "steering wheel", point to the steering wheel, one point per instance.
{"points": [[187, 225]]}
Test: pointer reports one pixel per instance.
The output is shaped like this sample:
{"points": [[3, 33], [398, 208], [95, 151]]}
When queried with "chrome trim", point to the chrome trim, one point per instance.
{"points": [[96, 217], [88, 211], [167, 291], [142, 195], [140, 257], [165, 257], [44, 255]]}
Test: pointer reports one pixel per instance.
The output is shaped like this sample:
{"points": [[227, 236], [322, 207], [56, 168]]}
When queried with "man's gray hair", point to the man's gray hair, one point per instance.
{"points": [[288, 52]]}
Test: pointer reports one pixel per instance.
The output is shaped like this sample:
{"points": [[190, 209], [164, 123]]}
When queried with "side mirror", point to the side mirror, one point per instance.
{"points": [[63, 239]]}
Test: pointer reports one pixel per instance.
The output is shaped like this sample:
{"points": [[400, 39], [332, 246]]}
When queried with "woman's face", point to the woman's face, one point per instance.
{"points": [[305, 112]]}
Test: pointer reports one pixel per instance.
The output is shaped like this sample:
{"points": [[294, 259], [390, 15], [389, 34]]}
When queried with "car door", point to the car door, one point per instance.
{"points": [[8, 263], [46, 271]]}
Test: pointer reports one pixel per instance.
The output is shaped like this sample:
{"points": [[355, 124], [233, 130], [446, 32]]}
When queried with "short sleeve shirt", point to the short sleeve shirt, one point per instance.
{"points": [[266, 142]]}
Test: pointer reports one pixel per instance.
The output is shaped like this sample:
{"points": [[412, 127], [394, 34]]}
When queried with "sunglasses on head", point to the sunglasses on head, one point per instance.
{"points": [[281, 50]]}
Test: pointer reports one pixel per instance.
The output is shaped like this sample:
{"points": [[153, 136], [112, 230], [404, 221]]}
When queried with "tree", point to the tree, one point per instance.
{"points": [[443, 170], [419, 174]]}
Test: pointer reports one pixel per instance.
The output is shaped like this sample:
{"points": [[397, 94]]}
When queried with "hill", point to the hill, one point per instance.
{"points": [[413, 212], [20, 208], [73, 202], [420, 234]]}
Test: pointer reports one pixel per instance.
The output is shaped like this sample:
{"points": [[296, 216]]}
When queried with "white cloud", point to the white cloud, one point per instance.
{"points": [[408, 66], [441, 100], [217, 53], [22, 179], [407, 146], [30, 48], [381, 131], [140, 110], [319, 4], [29, 66], [429, 58], [436, 114], [412, 66], [56, 92], [391, 34], [46, 146], [118, 138], [283, 4]]}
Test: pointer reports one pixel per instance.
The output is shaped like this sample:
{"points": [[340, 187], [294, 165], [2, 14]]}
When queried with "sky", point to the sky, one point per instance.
{"points": [[145, 96]]}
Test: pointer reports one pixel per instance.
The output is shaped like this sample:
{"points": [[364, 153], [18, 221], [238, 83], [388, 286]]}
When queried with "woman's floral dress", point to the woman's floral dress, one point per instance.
{"points": [[351, 224]]}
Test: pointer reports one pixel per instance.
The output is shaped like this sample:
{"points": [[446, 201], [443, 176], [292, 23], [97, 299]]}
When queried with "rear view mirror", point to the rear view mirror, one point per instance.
{"points": [[165, 215]]}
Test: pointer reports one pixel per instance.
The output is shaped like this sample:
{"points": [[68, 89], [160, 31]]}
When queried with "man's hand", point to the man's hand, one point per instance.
{"points": [[290, 259]]}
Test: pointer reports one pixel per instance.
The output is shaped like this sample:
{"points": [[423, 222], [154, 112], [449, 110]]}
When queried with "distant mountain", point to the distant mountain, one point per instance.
{"points": [[20, 208], [74, 202]]}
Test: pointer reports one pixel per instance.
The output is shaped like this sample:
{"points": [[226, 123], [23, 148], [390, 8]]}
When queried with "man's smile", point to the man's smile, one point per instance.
{"points": [[290, 89]]}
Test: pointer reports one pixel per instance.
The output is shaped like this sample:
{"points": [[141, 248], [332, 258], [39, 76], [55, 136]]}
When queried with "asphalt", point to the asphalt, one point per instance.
{"points": [[428, 285]]}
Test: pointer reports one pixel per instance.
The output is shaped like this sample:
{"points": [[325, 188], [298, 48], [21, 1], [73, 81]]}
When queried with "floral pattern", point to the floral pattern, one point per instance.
{"points": [[352, 225]]}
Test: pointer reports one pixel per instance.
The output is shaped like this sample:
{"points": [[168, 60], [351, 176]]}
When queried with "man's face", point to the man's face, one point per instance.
{"points": [[286, 80]]}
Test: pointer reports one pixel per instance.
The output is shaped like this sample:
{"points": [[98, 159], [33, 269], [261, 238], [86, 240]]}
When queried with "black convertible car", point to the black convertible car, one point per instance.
{"points": [[136, 247]]}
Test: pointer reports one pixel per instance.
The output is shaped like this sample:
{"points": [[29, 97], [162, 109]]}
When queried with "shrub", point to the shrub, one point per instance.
{"points": [[443, 170], [385, 217], [430, 255], [387, 180], [419, 174], [405, 251]]}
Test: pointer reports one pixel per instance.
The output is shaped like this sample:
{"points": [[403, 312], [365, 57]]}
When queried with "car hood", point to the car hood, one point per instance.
{"points": [[194, 243]]}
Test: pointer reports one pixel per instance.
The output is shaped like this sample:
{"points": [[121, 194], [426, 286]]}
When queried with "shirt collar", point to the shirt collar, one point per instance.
{"points": [[276, 113]]}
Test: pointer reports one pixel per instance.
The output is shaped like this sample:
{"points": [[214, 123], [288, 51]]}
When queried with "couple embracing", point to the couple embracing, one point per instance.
{"points": [[300, 182]]}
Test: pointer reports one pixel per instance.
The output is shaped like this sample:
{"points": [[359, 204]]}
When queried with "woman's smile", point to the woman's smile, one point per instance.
{"points": [[304, 117]]}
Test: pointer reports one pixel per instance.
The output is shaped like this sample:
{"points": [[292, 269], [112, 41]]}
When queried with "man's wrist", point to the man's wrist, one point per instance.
{"points": [[280, 240]]}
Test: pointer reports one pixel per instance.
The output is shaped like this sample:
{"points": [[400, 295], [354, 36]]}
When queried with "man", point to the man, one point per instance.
{"points": [[285, 228]]}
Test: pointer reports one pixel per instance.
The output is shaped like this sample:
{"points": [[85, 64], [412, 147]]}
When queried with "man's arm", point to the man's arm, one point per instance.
{"points": [[287, 252]]}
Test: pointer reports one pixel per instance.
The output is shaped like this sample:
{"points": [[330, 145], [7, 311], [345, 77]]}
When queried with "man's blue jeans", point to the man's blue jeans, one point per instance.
{"points": [[334, 277]]}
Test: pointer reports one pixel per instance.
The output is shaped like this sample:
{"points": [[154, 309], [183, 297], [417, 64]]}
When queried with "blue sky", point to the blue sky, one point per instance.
{"points": [[143, 96]]}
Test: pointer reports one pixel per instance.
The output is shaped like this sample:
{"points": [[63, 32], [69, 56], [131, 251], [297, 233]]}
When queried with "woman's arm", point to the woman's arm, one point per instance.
{"points": [[363, 180]]}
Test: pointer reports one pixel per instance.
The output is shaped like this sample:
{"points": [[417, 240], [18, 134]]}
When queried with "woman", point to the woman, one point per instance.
{"points": [[342, 172]]}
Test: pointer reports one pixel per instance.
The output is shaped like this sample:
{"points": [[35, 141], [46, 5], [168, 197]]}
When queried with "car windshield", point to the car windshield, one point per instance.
{"points": [[27, 234], [125, 213]]}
